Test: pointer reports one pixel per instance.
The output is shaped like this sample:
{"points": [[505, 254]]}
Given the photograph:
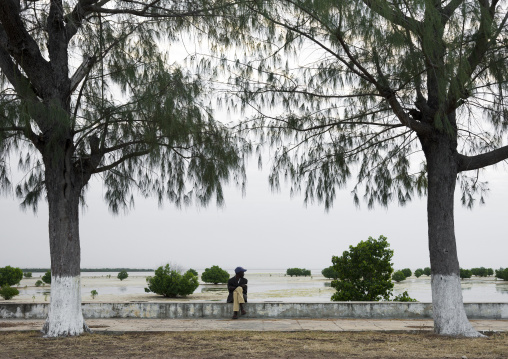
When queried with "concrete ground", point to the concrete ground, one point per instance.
{"points": [[287, 325]]}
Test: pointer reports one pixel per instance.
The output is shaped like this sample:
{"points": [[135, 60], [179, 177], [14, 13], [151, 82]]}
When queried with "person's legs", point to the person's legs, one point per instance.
{"points": [[238, 302]]}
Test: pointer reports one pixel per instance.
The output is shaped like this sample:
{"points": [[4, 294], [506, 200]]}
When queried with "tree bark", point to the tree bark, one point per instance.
{"points": [[65, 316], [448, 307]]}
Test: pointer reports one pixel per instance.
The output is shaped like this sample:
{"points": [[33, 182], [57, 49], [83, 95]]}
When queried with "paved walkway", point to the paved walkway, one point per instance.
{"points": [[286, 325]]}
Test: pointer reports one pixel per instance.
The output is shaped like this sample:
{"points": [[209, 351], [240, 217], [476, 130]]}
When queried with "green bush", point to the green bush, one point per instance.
{"points": [[298, 272], [364, 272], [329, 273], [399, 276], [404, 297], [215, 275], [465, 273], [10, 276], [426, 271], [502, 273], [407, 272], [94, 293], [122, 275], [46, 278], [480, 272], [171, 283], [490, 271], [27, 274], [193, 271], [7, 292], [38, 283], [418, 273]]}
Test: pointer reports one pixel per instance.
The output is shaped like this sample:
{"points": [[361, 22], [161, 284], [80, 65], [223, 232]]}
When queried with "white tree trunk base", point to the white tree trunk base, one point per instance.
{"points": [[448, 308], [65, 317]]}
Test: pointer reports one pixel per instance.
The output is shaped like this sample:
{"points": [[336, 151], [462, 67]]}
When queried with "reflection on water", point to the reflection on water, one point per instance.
{"points": [[213, 289]]}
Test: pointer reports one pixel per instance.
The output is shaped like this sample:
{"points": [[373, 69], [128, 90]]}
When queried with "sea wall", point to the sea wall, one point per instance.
{"points": [[193, 310]]}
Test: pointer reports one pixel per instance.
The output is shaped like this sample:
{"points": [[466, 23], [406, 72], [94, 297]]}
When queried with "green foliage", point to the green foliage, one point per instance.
{"points": [[364, 272], [27, 274], [193, 271], [427, 271], [407, 272], [7, 292], [481, 272], [490, 271], [329, 273], [418, 273], [46, 278], [10, 276], [171, 283], [320, 115], [94, 293], [38, 283], [122, 275], [398, 276], [215, 275], [298, 272], [502, 273], [404, 297], [144, 122], [465, 273]]}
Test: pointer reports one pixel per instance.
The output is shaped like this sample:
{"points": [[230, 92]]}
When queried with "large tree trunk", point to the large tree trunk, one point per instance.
{"points": [[448, 307], [65, 317]]}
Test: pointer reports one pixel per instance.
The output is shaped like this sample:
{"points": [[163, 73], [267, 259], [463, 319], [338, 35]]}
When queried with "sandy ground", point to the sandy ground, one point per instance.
{"points": [[262, 286]]}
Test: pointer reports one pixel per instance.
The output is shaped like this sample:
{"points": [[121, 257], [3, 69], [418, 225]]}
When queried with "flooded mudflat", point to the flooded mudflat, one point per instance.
{"points": [[264, 286]]}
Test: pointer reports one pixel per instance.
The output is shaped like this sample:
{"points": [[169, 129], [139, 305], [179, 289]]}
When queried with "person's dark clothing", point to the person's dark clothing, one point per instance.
{"points": [[233, 282]]}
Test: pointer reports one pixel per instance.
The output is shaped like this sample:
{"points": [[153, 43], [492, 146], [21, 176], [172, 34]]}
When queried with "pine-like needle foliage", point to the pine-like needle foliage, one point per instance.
{"points": [[98, 78], [355, 86]]}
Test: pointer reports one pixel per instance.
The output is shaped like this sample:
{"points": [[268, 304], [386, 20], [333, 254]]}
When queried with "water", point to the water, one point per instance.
{"points": [[487, 290]]}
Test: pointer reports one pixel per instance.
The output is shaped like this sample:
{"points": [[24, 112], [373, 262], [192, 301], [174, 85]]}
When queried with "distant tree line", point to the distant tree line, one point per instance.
{"points": [[43, 270]]}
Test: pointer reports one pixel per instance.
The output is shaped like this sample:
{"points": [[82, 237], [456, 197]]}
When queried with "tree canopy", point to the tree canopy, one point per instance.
{"points": [[406, 95]]}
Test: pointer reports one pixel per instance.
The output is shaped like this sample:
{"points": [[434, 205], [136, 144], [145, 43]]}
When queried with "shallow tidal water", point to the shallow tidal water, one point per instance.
{"points": [[267, 285]]}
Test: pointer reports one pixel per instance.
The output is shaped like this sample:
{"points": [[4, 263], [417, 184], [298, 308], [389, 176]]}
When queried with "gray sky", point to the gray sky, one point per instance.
{"points": [[260, 230]]}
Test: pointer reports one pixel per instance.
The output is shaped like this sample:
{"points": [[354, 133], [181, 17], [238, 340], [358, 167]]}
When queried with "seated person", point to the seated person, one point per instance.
{"points": [[237, 287]]}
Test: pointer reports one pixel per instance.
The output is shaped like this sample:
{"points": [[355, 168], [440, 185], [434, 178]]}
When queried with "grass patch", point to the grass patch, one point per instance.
{"points": [[245, 344]]}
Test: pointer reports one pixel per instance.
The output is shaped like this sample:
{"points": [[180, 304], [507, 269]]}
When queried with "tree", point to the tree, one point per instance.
{"points": [[502, 273], [329, 272], [215, 275], [426, 271], [10, 276], [364, 272], [465, 273], [418, 273], [380, 87], [399, 276], [171, 283], [490, 271], [297, 272], [7, 292], [193, 271], [27, 274], [407, 272], [88, 90], [46, 278], [122, 275]]}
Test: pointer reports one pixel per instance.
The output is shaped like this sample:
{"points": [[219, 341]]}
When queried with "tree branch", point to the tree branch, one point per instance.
{"points": [[16, 40], [469, 163]]}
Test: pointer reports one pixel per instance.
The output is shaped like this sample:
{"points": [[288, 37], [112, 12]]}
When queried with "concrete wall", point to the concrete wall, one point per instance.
{"points": [[375, 310]]}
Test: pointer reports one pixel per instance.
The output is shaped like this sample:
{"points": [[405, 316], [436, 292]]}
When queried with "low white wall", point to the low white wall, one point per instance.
{"points": [[374, 310]]}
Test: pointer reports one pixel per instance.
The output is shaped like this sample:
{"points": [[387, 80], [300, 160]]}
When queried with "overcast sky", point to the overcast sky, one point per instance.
{"points": [[259, 231], [262, 230]]}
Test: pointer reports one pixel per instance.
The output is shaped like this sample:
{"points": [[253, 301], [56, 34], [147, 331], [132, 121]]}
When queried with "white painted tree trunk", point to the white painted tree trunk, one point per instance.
{"points": [[448, 307], [65, 317]]}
